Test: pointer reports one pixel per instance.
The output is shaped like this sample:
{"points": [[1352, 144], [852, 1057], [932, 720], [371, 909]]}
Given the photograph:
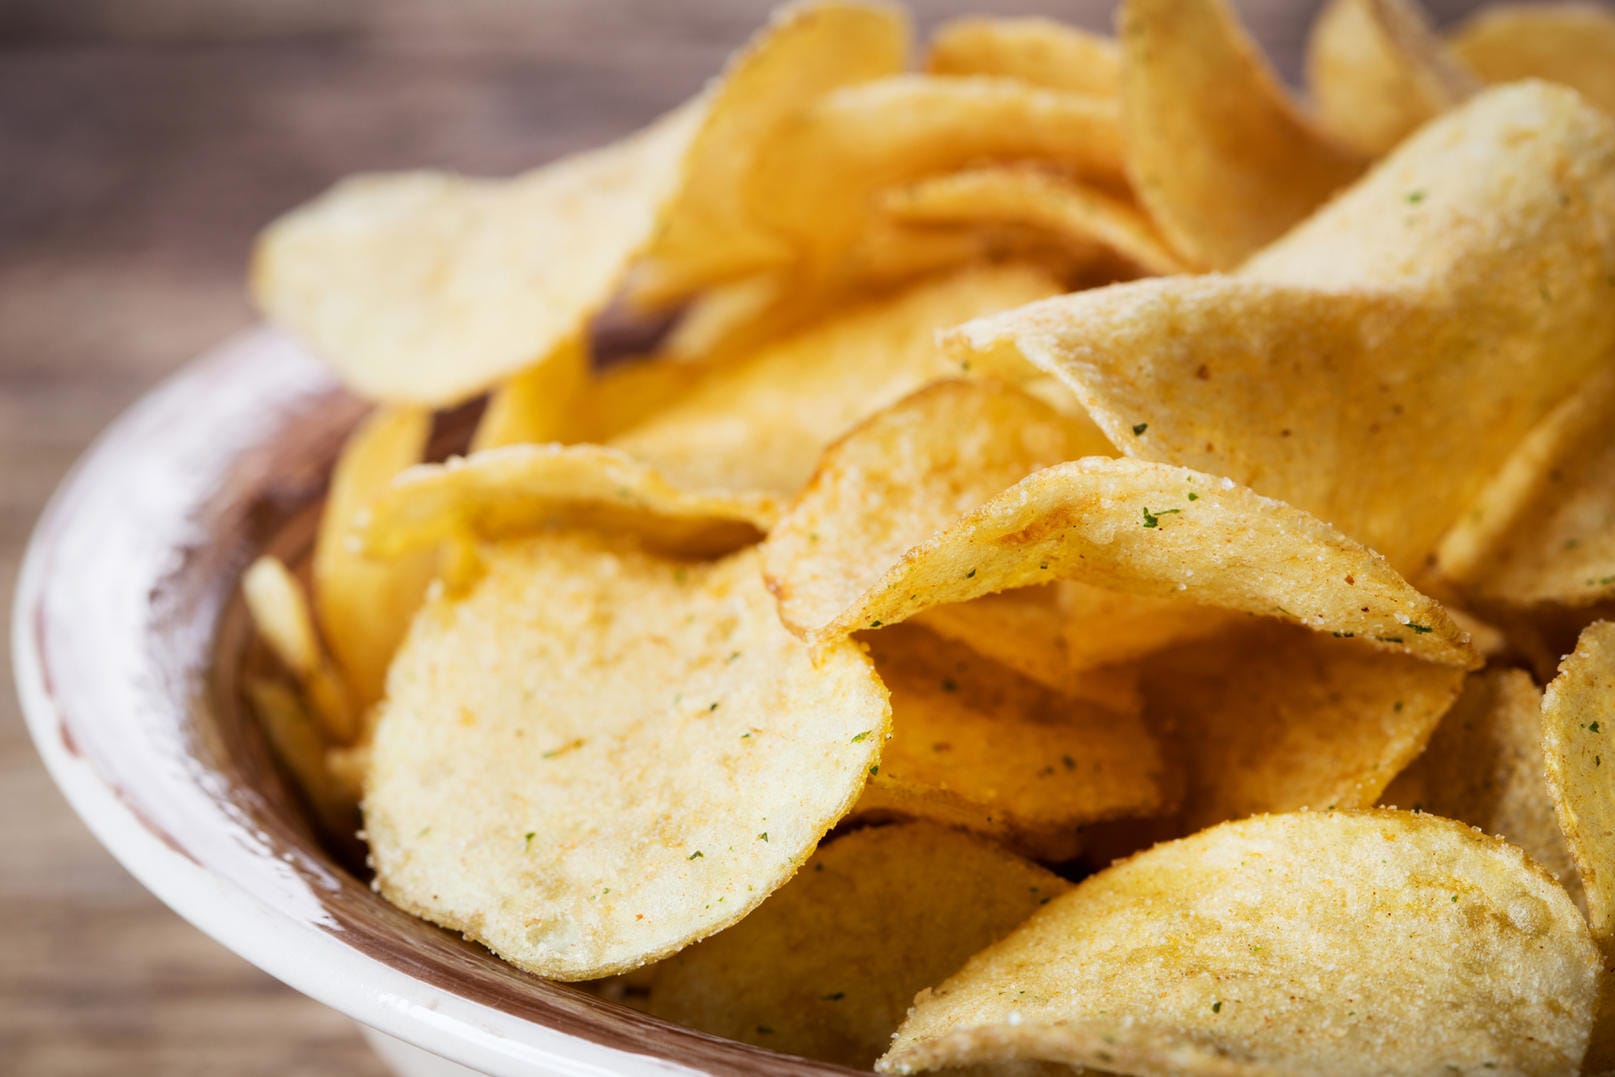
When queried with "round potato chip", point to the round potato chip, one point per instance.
{"points": [[1041, 52], [1350, 942], [577, 760], [827, 967], [1569, 43]]}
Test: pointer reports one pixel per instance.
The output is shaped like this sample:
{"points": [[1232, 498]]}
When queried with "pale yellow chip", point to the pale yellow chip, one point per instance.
{"points": [[1132, 526], [977, 746], [539, 404], [299, 743], [1217, 152], [1090, 223], [807, 50], [1543, 529], [817, 177], [1578, 726], [1041, 52], [426, 288], [1484, 766], [1569, 43], [1341, 366], [1377, 71], [578, 759], [364, 605], [827, 967], [507, 492], [760, 424], [1350, 942], [280, 614]]}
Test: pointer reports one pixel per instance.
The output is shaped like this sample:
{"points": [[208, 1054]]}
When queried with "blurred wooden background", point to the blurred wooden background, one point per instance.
{"points": [[142, 142]]}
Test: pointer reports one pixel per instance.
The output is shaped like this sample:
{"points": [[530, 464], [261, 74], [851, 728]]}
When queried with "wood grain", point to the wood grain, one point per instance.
{"points": [[141, 145]]}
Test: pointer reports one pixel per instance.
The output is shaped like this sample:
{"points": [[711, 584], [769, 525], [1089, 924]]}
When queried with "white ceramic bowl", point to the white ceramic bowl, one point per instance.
{"points": [[128, 633]]}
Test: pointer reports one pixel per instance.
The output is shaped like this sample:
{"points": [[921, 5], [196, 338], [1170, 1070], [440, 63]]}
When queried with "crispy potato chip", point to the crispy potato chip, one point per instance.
{"points": [[1268, 718], [1103, 627], [539, 404], [807, 50], [816, 178], [280, 613], [507, 492], [1130, 526], [1348, 942], [1042, 52], [364, 606], [1218, 153], [1484, 766], [1336, 372], [1377, 71], [1569, 43], [1089, 221], [299, 743], [1578, 725], [977, 746], [760, 424], [1543, 530], [629, 392], [426, 288], [827, 967], [632, 727]]}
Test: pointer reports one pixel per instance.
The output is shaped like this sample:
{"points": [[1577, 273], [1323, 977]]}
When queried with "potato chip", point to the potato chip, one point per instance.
{"points": [[298, 742], [280, 614], [1130, 526], [539, 404], [1340, 942], [760, 424], [1484, 766], [1336, 372], [1091, 223], [1578, 717], [632, 727], [827, 967], [1543, 529], [1218, 153], [1104, 627], [816, 178], [426, 288], [807, 50], [1377, 70], [364, 606], [627, 393], [977, 746], [1569, 43], [1042, 52], [507, 492]]}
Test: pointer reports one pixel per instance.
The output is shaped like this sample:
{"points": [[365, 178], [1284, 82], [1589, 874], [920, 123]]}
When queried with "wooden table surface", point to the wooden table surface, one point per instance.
{"points": [[141, 144]]}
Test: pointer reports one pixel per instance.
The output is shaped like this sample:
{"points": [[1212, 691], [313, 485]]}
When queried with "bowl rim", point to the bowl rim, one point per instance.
{"points": [[275, 932]]}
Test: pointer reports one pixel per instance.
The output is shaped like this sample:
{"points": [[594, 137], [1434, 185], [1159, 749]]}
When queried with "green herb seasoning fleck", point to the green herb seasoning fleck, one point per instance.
{"points": [[1139, 428], [697, 855], [527, 839], [1415, 197], [763, 836], [1216, 1007], [834, 996], [874, 770], [1420, 630], [857, 737], [1193, 496], [1153, 519], [949, 684]]}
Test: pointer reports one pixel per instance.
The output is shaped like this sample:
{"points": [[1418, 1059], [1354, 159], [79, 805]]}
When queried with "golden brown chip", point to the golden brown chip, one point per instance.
{"points": [[1484, 766], [576, 760], [1569, 43], [1543, 529], [816, 178], [299, 743], [539, 404], [977, 746], [827, 967], [1089, 222], [1042, 52], [1339, 942], [1104, 627], [760, 424], [1578, 725], [1377, 71], [629, 392], [1218, 153], [280, 613], [807, 50]]}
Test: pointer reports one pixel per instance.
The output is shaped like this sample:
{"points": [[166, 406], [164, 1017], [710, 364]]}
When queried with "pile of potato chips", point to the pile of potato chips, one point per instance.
{"points": [[1135, 515]]}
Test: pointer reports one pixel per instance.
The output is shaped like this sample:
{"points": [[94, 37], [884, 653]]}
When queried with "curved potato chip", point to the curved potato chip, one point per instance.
{"points": [[629, 392], [807, 50], [1543, 530], [1138, 527], [1104, 627], [1041, 52], [1578, 726], [1086, 220], [816, 178], [501, 493], [1572, 44], [760, 424], [1350, 942], [299, 743], [425, 288], [1377, 71], [537, 405], [1484, 766], [1267, 718], [280, 614], [364, 606], [577, 674], [827, 967], [977, 746], [1218, 153]]}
